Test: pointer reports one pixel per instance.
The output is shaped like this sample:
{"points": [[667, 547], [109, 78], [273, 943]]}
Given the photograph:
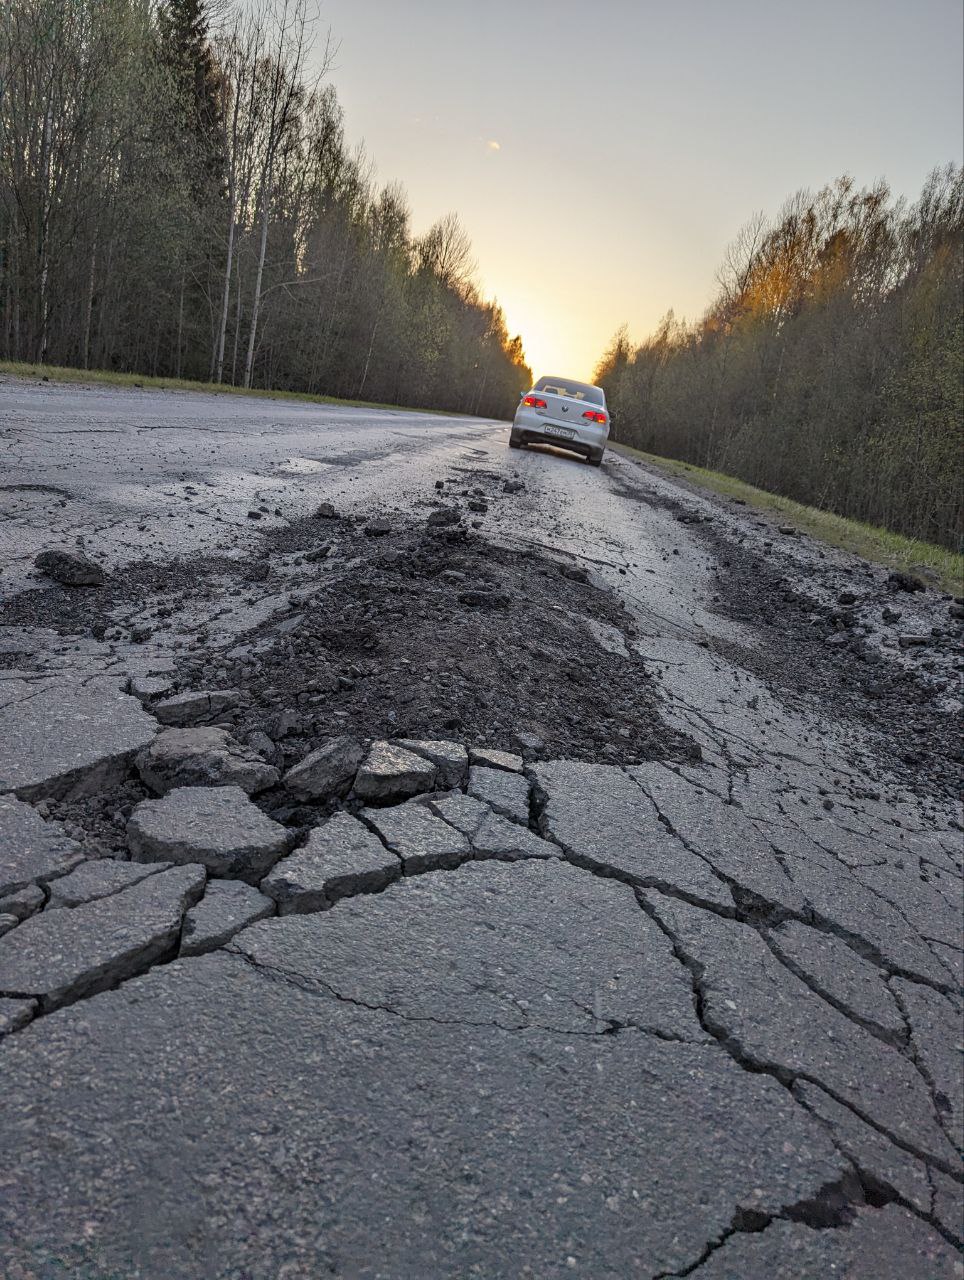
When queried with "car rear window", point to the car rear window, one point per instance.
{"points": [[575, 390]]}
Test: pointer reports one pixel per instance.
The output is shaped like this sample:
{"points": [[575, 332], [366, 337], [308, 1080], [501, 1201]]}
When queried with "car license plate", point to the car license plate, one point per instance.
{"points": [[564, 433]]}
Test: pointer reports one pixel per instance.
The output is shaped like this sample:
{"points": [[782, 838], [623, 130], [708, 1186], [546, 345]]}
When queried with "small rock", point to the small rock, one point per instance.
{"points": [[325, 511], [254, 515], [513, 486], [846, 597], [141, 632], [327, 772], [72, 568], [378, 528], [475, 504], [440, 484], [341, 857], [956, 611], [390, 773], [227, 907], [912, 641], [904, 582], [318, 553], [442, 517], [218, 827], [786, 529], [837, 640], [203, 757], [479, 599], [890, 615]]}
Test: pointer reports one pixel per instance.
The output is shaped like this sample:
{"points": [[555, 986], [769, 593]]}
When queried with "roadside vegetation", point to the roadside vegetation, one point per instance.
{"points": [[828, 369], [938, 566], [114, 378], [178, 200]]}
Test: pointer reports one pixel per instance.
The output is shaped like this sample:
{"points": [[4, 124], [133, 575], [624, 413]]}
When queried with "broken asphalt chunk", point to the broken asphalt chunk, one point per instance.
{"points": [[326, 773], [218, 827], [341, 857], [390, 773], [57, 957], [30, 848], [71, 568], [227, 907], [203, 757]]}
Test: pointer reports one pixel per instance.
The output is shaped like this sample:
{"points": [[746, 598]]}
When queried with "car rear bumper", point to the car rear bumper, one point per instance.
{"points": [[529, 427]]}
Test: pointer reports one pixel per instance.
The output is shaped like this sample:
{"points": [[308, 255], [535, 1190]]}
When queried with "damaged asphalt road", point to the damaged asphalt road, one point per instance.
{"points": [[418, 859]]}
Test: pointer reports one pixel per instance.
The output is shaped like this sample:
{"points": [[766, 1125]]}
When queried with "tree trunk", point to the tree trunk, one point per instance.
{"points": [[256, 303]]}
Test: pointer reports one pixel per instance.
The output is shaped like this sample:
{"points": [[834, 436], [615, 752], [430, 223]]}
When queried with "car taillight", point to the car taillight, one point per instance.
{"points": [[594, 416], [534, 402]]}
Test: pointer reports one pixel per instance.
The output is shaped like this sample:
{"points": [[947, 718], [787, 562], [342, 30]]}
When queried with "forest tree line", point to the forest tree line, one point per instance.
{"points": [[178, 198], [828, 368]]}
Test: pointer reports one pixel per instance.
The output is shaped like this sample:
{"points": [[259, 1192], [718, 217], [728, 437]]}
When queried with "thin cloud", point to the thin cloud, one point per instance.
{"points": [[492, 145]]}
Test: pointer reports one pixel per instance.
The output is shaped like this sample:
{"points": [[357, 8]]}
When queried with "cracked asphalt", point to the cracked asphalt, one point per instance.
{"points": [[627, 942]]}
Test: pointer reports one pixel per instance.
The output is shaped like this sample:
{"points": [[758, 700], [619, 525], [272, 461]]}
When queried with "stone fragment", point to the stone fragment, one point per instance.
{"points": [[30, 848], [227, 907], [218, 827], [443, 516], [607, 823], [377, 528], [509, 945], [72, 568], [881, 1162], [325, 511], [421, 839], [327, 772], [341, 857], [203, 757], [99, 878], [23, 902], [390, 773], [840, 975], [506, 793], [15, 1014], [76, 740], [491, 835], [194, 707], [7, 922], [450, 758], [489, 758], [484, 598], [880, 1244], [57, 957], [775, 1022]]}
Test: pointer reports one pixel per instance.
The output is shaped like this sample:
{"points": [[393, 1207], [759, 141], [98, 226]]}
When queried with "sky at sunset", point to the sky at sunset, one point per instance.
{"points": [[602, 154]]}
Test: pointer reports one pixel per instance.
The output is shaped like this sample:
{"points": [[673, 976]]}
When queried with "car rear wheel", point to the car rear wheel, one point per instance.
{"points": [[595, 459]]}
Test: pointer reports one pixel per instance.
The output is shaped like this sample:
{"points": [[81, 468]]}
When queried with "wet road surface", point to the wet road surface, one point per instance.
{"points": [[519, 1015]]}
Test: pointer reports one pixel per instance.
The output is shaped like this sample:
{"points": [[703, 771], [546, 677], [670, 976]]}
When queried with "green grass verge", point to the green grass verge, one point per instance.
{"points": [[936, 565], [107, 377]]}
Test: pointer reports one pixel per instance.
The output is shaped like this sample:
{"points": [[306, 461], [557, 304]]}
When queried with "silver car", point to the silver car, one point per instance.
{"points": [[562, 412]]}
